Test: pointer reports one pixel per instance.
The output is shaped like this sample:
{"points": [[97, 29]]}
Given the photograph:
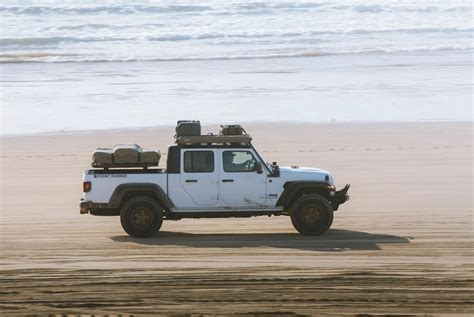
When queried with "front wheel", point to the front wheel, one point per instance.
{"points": [[141, 217], [312, 215]]}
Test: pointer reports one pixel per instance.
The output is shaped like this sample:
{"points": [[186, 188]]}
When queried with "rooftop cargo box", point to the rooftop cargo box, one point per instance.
{"points": [[188, 128], [232, 129]]}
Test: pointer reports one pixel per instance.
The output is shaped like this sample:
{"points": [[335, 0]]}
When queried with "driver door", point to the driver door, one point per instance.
{"points": [[240, 184]]}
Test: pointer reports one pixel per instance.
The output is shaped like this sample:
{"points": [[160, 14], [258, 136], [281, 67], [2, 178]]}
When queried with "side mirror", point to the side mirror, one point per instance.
{"points": [[258, 167]]}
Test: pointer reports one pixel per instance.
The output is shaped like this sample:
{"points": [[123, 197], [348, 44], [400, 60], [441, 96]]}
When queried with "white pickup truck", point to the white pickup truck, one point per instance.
{"points": [[210, 176]]}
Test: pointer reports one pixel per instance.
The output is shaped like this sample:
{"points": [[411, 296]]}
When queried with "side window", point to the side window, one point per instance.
{"points": [[199, 161], [238, 161]]}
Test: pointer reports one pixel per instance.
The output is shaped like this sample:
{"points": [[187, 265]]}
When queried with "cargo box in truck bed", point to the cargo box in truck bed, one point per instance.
{"points": [[125, 155]]}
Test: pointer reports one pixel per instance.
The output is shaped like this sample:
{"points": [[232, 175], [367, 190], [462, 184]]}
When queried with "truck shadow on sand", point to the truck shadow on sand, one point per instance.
{"points": [[335, 240]]}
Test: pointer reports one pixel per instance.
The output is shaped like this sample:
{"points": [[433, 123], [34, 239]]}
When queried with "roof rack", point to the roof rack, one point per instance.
{"points": [[214, 139]]}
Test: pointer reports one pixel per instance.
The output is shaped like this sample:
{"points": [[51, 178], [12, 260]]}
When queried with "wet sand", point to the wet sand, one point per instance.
{"points": [[403, 244]]}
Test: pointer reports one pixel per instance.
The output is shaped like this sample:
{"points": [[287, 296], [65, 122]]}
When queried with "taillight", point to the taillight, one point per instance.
{"points": [[86, 187]]}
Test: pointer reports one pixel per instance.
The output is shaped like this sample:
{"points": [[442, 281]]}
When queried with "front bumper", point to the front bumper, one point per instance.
{"points": [[341, 196]]}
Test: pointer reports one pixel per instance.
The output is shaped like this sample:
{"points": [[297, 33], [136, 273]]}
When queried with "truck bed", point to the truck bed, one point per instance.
{"points": [[104, 181]]}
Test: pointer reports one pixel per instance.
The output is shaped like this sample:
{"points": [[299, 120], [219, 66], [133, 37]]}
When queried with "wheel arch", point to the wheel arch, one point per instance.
{"points": [[295, 189], [124, 192]]}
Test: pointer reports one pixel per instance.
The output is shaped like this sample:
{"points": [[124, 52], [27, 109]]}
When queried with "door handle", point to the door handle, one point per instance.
{"points": [[227, 180], [191, 181]]}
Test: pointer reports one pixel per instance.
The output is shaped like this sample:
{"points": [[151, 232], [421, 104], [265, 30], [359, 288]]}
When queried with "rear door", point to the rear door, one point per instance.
{"points": [[199, 177], [240, 184]]}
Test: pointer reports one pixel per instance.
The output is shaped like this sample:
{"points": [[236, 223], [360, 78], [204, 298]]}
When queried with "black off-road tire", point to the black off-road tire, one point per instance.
{"points": [[311, 215], [141, 217]]}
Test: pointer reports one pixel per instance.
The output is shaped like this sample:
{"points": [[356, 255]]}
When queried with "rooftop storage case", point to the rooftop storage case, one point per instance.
{"points": [[232, 129], [188, 128]]}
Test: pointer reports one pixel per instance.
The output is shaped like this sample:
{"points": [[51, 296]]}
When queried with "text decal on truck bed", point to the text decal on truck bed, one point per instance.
{"points": [[110, 175]]}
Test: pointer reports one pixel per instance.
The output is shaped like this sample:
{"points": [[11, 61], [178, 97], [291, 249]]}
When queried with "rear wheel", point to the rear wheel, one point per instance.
{"points": [[312, 215], [141, 217]]}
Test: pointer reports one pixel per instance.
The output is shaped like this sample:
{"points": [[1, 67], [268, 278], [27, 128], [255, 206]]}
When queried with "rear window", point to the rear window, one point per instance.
{"points": [[199, 161]]}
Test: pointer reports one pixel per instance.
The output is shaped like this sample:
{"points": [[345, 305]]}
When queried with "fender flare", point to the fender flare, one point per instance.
{"points": [[293, 189], [121, 191]]}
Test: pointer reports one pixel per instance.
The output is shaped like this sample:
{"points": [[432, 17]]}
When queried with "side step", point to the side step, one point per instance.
{"points": [[224, 214]]}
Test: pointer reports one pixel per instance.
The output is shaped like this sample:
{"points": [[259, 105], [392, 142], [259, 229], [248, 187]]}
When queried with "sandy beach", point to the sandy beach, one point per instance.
{"points": [[379, 93], [403, 244]]}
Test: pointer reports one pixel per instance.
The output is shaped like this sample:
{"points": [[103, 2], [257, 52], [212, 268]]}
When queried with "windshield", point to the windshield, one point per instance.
{"points": [[267, 164]]}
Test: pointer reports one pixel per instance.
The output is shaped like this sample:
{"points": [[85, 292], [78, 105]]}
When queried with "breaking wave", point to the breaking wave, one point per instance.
{"points": [[229, 8], [111, 9], [80, 58], [30, 41]]}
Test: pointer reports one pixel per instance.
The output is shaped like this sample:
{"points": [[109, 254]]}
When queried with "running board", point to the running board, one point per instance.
{"points": [[176, 215]]}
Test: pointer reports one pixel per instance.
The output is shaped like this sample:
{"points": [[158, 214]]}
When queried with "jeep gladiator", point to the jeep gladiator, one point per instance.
{"points": [[207, 177]]}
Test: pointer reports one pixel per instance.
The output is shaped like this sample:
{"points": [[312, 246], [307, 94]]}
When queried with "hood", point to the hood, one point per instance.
{"points": [[295, 173]]}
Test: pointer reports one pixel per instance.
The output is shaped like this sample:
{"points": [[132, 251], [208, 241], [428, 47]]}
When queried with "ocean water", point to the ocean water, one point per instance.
{"points": [[64, 30], [73, 65]]}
